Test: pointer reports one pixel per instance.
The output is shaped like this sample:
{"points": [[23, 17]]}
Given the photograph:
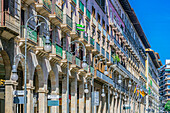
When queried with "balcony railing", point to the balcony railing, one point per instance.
{"points": [[127, 72], [69, 56], [117, 44], [10, 22], [81, 5], [91, 41], [94, 21], [124, 34], [104, 32], [112, 59], [104, 77], [32, 35], [108, 37], [88, 14], [69, 21], [92, 70], [59, 50], [103, 52], [85, 36], [107, 55], [47, 3], [78, 62], [99, 27], [87, 68], [98, 47], [59, 12]]}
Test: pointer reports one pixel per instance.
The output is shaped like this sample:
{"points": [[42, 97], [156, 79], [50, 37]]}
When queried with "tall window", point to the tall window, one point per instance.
{"points": [[93, 11], [98, 17], [103, 23]]}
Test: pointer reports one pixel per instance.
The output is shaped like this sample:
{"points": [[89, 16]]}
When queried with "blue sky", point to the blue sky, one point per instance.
{"points": [[154, 17]]}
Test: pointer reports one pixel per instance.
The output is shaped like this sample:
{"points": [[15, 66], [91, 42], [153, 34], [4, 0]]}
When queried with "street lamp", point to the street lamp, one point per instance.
{"points": [[115, 95], [120, 79], [14, 76], [86, 90], [103, 94], [106, 72], [47, 48], [84, 64], [130, 84]]}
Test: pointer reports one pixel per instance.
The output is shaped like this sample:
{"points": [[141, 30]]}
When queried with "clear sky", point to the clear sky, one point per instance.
{"points": [[154, 17]]}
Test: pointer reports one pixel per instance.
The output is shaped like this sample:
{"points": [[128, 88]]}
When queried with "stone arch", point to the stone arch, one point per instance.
{"points": [[7, 64], [40, 74], [22, 62], [53, 80]]}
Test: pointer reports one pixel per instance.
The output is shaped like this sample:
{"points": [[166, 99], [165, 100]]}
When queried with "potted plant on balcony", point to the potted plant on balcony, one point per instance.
{"points": [[116, 59], [167, 106]]}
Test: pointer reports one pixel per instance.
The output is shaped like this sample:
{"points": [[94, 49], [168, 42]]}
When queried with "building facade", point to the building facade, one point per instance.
{"points": [[164, 82], [152, 74], [114, 42]]}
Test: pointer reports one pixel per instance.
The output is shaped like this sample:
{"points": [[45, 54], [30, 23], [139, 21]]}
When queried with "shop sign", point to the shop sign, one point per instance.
{"points": [[53, 97], [80, 27], [53, 102], [126, 107], [96, 98], [18, 92], [18, 100]]}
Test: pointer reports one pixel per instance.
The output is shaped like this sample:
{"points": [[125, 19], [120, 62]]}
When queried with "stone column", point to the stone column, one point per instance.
{"points": [[42, 101], [88, 100], [116, 105], [100, 104], [30, 99], [112, 104], [74, 95], [81, 97], [64, 95], [104, 103], [54, 109], [9, 96]]}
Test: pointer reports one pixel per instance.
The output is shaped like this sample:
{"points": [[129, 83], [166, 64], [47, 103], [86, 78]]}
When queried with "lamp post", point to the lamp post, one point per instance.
{"points": [[120, 81], [129, 85], [47, 48], [106, 73], [84, 64]]}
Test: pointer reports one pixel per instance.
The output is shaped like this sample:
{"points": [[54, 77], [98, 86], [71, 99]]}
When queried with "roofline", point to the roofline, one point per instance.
{"points": [[136, 23], [158, 63]]}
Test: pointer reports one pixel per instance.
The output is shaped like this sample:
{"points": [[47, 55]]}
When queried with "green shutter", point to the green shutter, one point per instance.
{"points": [[81, 6], [151, 82]]}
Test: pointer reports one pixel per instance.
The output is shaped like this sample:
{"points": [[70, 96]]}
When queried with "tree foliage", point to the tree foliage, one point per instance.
{"points": [[167, 106]]}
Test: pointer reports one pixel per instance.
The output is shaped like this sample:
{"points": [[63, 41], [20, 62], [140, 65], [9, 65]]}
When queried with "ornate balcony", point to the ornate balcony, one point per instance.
{"points": [[57, 53], [91, 45], [9, 26], [57, 17], [31, 37], [40, 46], [76, 65], [84, 39], [67, 24], [28, 1], [96, 50], [102, 77], [44, 8]]}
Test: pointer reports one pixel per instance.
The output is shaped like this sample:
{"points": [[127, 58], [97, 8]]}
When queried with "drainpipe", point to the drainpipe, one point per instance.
{"points": [[108, 99], [147, 98], [2, 6]]}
